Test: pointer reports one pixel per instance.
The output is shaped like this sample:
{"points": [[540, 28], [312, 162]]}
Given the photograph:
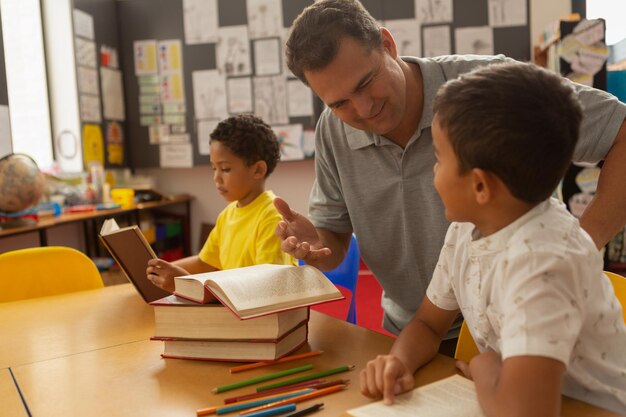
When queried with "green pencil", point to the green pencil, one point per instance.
{"points": [[262, 378], [307, 377]]}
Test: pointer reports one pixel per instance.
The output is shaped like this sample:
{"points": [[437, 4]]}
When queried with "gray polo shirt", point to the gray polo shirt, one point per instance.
{"points": [[369, 185]]}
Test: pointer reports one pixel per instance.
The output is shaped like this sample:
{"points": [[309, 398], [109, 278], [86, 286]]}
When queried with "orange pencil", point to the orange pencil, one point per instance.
{"points": [[304, 397], [249, 366], [213, 410]]}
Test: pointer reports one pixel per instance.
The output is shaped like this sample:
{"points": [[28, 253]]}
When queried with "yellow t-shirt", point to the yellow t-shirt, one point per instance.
{"points": [[245, 236]]}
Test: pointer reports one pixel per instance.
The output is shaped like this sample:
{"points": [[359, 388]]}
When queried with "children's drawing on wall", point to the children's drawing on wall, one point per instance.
{"points": [[270, 99], [406, 33], [436, 40], [300, 99], [209, 94], [145, 55], [507, 13], [233, 51], [267, 56], [265, 18], [205, 127], [474, 40], [115, 143], [239, 95], [290, 141], [433, 11], [85, 52], [200, 21]]}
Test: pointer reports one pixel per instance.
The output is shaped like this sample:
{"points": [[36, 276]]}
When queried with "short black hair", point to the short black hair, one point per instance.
{"points": [[516, 120], [250, 138], [317, 32]]}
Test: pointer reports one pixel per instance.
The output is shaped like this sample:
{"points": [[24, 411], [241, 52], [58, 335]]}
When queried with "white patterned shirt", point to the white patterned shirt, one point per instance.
{"points": [[536, 288]]}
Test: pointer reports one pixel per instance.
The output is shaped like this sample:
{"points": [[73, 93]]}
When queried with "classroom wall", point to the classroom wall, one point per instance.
{"points": [[291, 180]]}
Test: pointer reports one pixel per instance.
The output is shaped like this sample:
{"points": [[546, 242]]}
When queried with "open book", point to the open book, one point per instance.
{"points": [[131, 251], [452, 396], [260, 289]]}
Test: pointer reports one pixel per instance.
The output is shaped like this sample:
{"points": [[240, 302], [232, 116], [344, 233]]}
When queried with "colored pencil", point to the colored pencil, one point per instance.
{"points": [[306, 384], [300, 398], [259, 401], [213, 409], [263, 378], [249, 366], [306, 411], [315, 375], [273, 411]]}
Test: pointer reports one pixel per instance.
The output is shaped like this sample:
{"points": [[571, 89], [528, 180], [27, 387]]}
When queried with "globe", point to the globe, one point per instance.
{"points": [[21, 182]]}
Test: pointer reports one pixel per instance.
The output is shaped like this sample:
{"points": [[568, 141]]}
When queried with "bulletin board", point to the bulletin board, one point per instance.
{"points": [[106, 135], [421, 27]]}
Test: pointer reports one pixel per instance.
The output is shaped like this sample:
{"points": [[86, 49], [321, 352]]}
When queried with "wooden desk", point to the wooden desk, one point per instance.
{"points": [[12, 405], [95, 360], [88, 219]]}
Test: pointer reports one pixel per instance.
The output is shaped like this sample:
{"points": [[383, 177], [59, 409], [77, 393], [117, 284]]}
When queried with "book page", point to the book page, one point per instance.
{"points": [[452, 396], [108, 226], [274, 286]]}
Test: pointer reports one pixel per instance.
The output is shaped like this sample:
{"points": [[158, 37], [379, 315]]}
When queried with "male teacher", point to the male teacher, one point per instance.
{"points": [[374, 155]]}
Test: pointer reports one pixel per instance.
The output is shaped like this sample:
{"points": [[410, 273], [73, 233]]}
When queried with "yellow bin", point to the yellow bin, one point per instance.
{"points": [[125, 197]]}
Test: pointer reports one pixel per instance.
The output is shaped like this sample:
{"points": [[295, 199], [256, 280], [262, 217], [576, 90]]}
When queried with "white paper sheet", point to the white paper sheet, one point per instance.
{"points": [[112, 94], [452, 396], [90, 108], [270, 99], [239, 95], [170, 56], [87, 80], [209, 94], [589, 32], [474, 40], [85, 52], [290, 141], [300, 99], [507, 13], [6, 146], [176, 155], [437, 41], [406, 33], [267, 56], [433, 11], [205, 127], [265, 18], [83, 24], [145, 54], [233, 50], [200, 21]]}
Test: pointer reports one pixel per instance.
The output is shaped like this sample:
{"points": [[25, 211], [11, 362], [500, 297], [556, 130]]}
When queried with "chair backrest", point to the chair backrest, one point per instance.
{"points": [[466, 348], [347, 274], [619, 285], [50, 270]]}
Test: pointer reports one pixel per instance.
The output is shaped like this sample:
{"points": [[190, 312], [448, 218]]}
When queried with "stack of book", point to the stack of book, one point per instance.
{"points": [[261, 313]]}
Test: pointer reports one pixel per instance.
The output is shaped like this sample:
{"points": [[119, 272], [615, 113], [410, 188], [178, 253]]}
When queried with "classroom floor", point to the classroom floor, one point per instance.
{"points": [[368, 310]]}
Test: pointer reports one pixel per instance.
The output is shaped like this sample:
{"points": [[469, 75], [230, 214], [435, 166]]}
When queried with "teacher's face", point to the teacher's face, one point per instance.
{"points": [[364, 88]]}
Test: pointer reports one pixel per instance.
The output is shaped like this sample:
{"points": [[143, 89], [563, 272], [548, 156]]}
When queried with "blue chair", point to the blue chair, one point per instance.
{"points": [[346, 275]]}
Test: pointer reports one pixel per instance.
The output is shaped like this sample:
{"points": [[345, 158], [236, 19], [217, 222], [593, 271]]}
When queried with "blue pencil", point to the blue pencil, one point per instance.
{"points": [[273, 411]]}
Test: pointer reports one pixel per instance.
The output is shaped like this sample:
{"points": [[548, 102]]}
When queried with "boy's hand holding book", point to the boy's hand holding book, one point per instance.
{"points": [[162, 273]]}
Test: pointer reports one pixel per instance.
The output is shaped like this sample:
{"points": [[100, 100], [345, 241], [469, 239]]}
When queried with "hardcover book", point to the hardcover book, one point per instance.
{"points": [[236, 350], [177, 317], [257, 290], [131, 251]]}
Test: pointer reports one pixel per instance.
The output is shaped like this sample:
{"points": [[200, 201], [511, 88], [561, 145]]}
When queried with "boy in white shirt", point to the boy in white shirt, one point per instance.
{"points": [[515, 263]]}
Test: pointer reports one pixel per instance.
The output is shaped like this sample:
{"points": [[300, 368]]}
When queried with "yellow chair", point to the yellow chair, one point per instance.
{"points": [[466, 348], [51, 270]]}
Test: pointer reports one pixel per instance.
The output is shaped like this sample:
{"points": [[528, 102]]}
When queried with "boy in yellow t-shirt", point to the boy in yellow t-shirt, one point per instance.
{"points": [[244, 152]]}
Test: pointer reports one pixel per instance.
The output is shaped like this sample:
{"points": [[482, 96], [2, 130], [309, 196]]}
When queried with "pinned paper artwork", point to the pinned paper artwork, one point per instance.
{"points": [[209, 94], [300, 99], [265, 18], [85, 51], [93, 146], [200, 21], [474, 40], [205, 127], [239, 95], [433, 11], [233, 51], [267, 56], [83, 24], [507, 13], [145, 54], [290, 141], [112, 94], [437, 41], [406, 33], [270, 99]]}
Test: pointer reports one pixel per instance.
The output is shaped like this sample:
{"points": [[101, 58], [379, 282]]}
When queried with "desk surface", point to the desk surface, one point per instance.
{"points": [[65, 218], [88, 354], [12, 405]]}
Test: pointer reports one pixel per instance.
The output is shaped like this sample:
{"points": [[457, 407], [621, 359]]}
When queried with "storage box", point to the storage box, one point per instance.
{"points": [[125, 197]]}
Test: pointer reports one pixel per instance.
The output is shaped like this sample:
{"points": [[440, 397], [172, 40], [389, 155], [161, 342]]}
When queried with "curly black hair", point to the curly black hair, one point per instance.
{"points": [[250, 138]]}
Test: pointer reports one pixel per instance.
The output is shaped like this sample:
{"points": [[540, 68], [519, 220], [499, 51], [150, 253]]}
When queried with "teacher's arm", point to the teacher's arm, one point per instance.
{"points": [[606, 214]]}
